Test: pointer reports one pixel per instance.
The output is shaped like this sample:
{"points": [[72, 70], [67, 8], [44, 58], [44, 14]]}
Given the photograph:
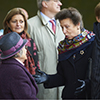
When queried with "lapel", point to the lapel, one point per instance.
{"points": [[78, 55], [71, 61], [74, 58], [46, 24], [49, 28], [87, 51]]}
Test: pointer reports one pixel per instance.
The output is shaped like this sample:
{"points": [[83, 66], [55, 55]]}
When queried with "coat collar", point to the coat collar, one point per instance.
{"points": [[43, 20], [82, 52], [12, 61], [46, 24]]}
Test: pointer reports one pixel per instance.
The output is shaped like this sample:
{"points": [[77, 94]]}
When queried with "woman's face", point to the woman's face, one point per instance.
{"points": [[69, 29], [17, 23]]}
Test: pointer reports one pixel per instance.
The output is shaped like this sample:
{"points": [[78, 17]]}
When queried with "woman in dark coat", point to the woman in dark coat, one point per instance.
{"points": [[75, 53], [15, 81]]}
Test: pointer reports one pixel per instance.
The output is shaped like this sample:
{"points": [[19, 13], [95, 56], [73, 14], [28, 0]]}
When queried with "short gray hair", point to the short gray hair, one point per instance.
{"points": [[39, 4], [20, 53]]}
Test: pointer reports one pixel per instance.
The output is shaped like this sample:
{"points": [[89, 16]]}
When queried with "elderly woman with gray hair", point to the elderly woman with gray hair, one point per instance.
{"points": [[15, 81]]}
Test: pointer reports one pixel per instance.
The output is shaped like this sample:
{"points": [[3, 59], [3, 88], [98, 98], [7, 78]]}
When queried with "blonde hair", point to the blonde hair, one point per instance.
{"points": [[8, 17]]}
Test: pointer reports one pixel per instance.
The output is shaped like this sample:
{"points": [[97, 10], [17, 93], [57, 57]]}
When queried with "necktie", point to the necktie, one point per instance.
{"points": [[53, 25]]}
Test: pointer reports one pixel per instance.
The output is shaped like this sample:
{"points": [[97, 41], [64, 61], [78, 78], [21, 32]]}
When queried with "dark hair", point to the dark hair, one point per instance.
{"points": [[71, 13], [97, 10]]}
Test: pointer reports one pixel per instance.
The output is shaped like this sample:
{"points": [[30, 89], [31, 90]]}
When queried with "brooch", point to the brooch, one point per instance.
{"points": [[81, 52]]}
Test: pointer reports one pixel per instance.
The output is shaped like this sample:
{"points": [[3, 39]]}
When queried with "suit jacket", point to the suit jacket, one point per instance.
{"points": [[15, 81], [46, 41]]}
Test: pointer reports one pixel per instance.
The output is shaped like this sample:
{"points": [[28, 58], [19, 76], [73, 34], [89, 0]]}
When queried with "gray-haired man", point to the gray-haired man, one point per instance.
{"points": [[40, 29]]}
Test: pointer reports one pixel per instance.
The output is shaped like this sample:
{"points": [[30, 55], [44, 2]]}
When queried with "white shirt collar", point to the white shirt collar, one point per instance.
{"points": [[20, 61], [46, 18]]}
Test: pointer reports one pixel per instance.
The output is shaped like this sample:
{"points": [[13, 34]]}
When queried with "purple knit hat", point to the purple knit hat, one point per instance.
{"points": [[11, 44]]}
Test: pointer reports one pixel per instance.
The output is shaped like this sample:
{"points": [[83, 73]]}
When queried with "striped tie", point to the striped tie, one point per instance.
{"points": [[53, 25]]}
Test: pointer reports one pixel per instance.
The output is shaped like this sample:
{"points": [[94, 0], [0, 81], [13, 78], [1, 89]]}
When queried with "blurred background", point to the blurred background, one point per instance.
{"points": [[86, 8]]}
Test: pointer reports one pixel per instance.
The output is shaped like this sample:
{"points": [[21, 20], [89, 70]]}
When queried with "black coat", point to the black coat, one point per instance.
{"points": [[95, 79], [69, 71]]}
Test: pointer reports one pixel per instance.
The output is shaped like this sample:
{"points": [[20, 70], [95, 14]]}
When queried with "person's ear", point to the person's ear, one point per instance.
{"points": [[44, 3], [78, 26]]}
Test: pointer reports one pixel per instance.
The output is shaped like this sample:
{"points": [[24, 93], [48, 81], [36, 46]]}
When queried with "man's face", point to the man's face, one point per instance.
{"points": [[53, 6]]}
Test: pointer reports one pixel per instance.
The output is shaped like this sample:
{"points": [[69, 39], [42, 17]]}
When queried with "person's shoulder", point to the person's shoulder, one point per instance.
{"points": [[17, 68], [31, 19], [34, 22]]}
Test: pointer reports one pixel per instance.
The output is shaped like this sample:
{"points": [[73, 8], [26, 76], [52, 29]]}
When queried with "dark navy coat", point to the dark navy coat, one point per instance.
{"points": [[16, 82], [69, 71], [95, 79]]}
